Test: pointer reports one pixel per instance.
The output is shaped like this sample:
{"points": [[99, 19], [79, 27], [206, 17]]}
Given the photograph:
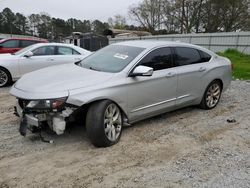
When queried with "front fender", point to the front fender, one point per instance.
{"points": [[115, 94]]}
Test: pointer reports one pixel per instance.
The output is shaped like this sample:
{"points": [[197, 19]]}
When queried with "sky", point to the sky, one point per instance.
{"points": [[79, 9]]}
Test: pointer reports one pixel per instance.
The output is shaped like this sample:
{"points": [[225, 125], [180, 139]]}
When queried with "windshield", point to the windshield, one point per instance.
{"points": [[112, 58], [23, 50]]}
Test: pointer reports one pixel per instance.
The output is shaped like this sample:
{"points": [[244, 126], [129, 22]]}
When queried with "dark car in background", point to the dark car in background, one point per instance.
{"points": [[12, 45]]}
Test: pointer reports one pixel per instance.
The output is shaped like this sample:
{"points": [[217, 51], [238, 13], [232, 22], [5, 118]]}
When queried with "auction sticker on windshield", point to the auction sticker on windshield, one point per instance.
{"points": [[121, 56]]}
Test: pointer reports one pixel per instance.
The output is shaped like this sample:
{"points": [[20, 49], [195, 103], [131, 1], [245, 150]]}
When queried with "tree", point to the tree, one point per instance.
{"points": [[34, 21], [225, 15], [185, 14], [21, 23], [8, 19], [118, 22], [236, 13], [99, 27], [148, 13], [44, 27]]}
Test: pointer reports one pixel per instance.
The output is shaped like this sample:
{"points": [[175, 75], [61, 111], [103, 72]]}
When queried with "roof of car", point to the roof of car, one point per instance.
{"points": [[15, 38], [54, 44], [79, 49], [157, 43], [153, 43]]}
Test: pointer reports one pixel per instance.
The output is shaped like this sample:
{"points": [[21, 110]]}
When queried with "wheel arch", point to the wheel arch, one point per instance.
{"points": [[6, 70], [86, 106], [219, 80]]}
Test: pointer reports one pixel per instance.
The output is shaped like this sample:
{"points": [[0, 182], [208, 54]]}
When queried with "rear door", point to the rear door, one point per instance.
{"points": [[25, 43], [191, 70], [66, 54], [148, 96]]}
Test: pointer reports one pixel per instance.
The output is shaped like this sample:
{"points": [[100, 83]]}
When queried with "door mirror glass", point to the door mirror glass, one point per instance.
{"points": [[142, 71], [28, 54]]}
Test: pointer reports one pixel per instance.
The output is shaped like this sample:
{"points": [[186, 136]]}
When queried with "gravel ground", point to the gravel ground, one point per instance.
{"points": [[186, 148]]}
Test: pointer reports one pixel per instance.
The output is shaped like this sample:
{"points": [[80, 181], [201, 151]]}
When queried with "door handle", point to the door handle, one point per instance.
{"points": [[50, 59], [201, 69], [170, 74]]}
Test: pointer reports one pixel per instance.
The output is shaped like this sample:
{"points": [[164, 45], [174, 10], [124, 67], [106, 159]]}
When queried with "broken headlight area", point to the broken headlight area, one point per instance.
{"points": [[47, 104], [35, 113]]}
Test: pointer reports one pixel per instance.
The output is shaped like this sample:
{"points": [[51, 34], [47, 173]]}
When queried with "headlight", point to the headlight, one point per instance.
{"points": [[47, 104]]}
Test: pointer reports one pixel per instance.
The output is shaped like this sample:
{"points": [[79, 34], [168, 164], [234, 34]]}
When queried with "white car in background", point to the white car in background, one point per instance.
{"points": [[37, 56]]}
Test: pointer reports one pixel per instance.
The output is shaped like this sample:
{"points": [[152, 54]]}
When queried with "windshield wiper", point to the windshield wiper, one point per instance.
{"points": [[89, 67], [92, 68]]}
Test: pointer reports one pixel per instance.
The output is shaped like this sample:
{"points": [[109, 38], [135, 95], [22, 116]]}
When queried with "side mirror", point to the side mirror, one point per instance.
{"points": [[28, 54], [1, 46], [142, 71]]}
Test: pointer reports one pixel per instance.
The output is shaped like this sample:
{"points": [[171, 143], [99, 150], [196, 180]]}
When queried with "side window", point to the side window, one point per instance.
{"points": [[205, 57], [187, 56], [10, 44], [45, 50], [25, 43], [64, 51], [158, 59], [75, 52]]}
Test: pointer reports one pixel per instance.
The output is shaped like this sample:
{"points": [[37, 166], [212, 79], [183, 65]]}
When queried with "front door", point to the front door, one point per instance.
{"points": [[149, 96], [42, 57]]}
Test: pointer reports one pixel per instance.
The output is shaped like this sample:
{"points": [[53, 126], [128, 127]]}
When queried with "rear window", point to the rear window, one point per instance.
{"points": [[66, 51], [205, 57], [187, 56], [25, 43]]}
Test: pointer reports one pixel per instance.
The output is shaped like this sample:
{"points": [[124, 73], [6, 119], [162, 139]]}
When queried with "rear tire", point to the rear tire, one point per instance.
{"points": [[104, 123], [211, 96], [5, 77]]}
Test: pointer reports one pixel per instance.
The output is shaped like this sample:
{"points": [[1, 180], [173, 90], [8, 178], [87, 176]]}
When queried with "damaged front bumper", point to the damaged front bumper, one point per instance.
{"points": [[33, 119]]}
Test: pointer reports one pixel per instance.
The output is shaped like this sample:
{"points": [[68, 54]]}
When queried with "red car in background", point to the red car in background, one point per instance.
{"points": [[12, 45]]}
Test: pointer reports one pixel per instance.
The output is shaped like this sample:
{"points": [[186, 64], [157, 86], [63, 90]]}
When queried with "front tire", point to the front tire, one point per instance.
{"points": [[104, 123], [5, 77], [211, 96]]}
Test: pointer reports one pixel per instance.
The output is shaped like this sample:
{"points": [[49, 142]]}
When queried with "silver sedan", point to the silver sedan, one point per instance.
{"points": [[121, 84]]}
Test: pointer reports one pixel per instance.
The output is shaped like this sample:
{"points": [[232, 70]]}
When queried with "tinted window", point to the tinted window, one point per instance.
{"points": [[66, 51], [158, 59], [112, 58], [187, 56], [46, 50], [10, 44], [205, 57], [25, 43]]}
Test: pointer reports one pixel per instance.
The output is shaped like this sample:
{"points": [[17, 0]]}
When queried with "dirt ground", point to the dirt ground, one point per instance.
{"points": [[186, 148]]}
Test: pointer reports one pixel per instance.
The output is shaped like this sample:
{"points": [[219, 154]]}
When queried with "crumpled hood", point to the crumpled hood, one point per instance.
{"points": [[60, 79]]}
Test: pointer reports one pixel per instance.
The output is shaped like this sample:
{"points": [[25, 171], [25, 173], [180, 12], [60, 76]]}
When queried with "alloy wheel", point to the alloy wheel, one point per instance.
{"points": [[112, 122], [3, 78], [213, 95]]}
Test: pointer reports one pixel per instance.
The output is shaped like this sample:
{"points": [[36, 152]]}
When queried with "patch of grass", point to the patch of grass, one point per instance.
{"points": [[240, 61]]}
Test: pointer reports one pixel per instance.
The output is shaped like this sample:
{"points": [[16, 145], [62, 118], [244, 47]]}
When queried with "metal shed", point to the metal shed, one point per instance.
{"points": [[88, 41]]}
